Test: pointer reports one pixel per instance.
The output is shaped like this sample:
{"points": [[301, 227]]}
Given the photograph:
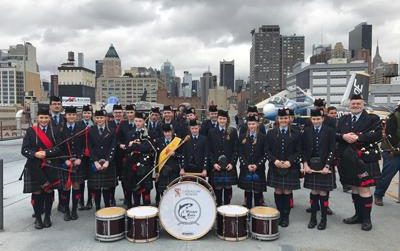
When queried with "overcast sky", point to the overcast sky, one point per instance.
{"points": [[192, 34]]}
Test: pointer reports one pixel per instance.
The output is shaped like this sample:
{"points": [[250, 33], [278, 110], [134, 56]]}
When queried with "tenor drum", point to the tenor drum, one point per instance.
{"points": [[232, 222], [142, 224], [110, 224], [264, 223]]}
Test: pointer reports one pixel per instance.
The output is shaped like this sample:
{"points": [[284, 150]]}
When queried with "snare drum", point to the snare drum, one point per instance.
{"points": [[232, 222], [264, 223], [142, 224], [110, 224]]}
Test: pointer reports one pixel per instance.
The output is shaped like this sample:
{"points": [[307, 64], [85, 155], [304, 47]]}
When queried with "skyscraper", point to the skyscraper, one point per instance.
{"points": [[20, 74], [292, 52], [227, 74], [185, 89], [360, 38], [207, 81], [265, 61], [112, 63], [272, 57], [321, 53], [168, 75]]}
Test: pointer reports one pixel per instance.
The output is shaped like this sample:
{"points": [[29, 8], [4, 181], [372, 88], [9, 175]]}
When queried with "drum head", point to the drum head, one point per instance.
{"points": [[142, 212], [110, 212], [264, 211], [232, 210], [187, 211]]}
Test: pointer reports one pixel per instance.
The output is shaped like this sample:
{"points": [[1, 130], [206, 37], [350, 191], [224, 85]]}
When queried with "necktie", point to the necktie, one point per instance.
{"points": [[354, 118], [252, 137], [87, 123], [70, 128], [55, 118], [316, 130], [283, 131], [130, 125], [44, 129], [222, 130], [101, 130], [167, 142]]}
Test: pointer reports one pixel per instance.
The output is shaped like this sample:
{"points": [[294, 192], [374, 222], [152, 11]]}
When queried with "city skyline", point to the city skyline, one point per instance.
{"points": [[152, 33]]}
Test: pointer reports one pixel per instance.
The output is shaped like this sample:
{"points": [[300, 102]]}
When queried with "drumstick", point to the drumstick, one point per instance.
{"points": [[320, 171], [192, 174]]}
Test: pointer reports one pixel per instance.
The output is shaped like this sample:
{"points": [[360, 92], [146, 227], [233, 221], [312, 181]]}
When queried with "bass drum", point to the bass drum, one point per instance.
{"points": [[187, 209]]}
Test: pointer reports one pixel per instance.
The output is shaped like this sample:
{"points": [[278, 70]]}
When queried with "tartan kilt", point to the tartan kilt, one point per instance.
{"points": [[103, 179], [291, 181], [252, 181], [119, 162], [31, 185], [76, 177], [218, 179], [131, 177], [317, 181], [374, 175]]}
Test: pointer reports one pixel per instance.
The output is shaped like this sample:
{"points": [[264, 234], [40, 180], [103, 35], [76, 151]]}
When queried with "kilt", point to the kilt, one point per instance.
{"points": [[167, 175], [373, 170], [222, 179], [76, 177], [252, 182], [119, 161], [31, 185], [291, 181], [102, 179], [132, 174], [317, 181]]}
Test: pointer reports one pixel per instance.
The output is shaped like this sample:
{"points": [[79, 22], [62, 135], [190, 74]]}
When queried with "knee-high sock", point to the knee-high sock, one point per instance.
{"points": [[291, 200], [286, 204], [128, 198], [48, 203], [278, 202], [65, 197], [357, 208], [324, 203], [76, 196], [366, 208], [258, 199], [107, 197], [146, 197], [37, 202], [96, 193], [218, 195], [314, 202], [249, 198], [227, 196], [82, 190], [136, 198]]}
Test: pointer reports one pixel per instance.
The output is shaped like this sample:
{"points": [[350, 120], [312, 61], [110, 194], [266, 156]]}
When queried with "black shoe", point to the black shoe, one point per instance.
{"points": [[74, 215], [329, 211], [67, 216], [355, 219], [313, 222], [47, 222], [81, 206], [366, 225], [322, 224], [60, 208], [89, 205], [284, 222], [38, 223]]}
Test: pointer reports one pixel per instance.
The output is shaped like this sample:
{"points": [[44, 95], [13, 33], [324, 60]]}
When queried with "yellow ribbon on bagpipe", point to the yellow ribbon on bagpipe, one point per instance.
{"points": [[165, 153]]}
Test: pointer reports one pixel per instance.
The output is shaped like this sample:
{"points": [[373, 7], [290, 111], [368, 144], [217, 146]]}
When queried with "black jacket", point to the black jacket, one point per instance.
{"points": [[326, 147]]}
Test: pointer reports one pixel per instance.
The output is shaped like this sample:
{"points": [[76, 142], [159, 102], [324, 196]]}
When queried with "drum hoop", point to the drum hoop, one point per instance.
{"points": [[144, 217], [185, 238], [234, 215], [122, 213], [114, 217], [264, 217], [176, 180]]}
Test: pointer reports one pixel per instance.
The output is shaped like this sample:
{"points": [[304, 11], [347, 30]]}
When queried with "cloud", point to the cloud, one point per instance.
{"points": [[192, 34]]}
